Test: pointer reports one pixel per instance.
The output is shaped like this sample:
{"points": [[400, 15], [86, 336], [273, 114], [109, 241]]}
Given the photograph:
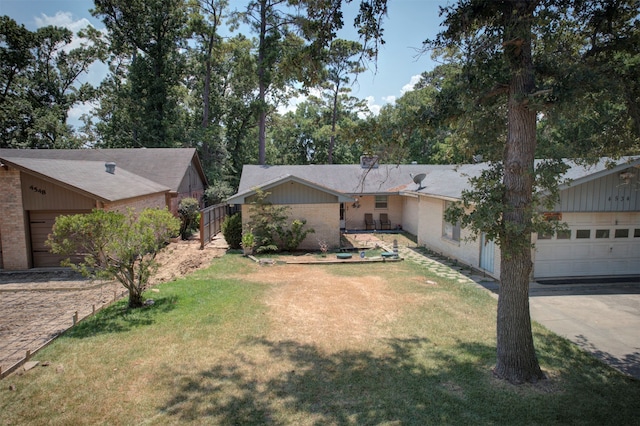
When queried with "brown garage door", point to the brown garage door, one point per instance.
{"points": [[40, 225]]}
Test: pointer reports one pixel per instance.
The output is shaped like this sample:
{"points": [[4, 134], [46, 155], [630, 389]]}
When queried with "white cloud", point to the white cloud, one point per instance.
{"points": [[409, 86], [372, 105], [389, 99], [62, 19]]}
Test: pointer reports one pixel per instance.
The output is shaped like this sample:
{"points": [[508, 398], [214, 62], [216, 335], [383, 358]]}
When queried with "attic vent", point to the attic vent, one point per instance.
{"points": [[110, 167], [369, 161]]}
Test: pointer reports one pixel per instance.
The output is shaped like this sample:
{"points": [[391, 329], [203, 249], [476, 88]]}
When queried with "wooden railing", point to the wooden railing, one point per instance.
{"points": [[211, 219]]}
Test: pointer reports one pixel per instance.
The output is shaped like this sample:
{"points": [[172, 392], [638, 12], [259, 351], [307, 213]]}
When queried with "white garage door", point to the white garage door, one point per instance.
{"points": [[595, 246]]}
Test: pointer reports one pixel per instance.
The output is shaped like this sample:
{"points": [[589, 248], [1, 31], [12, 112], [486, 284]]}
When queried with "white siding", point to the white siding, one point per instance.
{"points": [[430, 235]]}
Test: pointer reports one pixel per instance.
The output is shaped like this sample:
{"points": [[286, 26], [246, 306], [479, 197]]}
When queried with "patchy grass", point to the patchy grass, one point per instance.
{"points": [[241, 343]]}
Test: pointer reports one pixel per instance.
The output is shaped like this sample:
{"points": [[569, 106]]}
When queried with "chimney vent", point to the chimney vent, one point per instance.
{"points": [[111, 167], [369, 161]]}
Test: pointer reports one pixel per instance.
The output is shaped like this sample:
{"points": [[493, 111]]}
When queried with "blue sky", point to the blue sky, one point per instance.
{"points": [[409, 22]]}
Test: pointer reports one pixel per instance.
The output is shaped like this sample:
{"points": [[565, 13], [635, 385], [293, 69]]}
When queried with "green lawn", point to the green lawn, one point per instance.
{"points": [[209, 352]]}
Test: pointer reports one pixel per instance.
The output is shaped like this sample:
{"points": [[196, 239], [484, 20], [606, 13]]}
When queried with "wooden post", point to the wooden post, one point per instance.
{"points": [[28, 355], [93, 309], [75, 318]]}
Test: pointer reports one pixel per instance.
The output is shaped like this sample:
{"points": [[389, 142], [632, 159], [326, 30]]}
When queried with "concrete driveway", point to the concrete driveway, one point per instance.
{"points": [[603, 319]]}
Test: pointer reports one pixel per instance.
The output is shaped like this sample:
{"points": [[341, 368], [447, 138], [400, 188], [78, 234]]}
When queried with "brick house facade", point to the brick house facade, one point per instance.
{"points": [[39, 185]]}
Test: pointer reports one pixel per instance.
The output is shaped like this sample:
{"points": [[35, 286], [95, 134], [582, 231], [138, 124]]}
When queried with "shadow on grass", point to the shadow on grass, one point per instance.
{"points": [[299, 383], [590, 355], [286, 382], [118, 318]]}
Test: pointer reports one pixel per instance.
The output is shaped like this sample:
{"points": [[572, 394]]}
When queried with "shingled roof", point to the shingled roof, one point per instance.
{"points": [[444, 181], [164, 166]]}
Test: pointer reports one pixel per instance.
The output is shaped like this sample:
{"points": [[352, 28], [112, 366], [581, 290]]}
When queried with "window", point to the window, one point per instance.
{"points": [[450, 230], [564, 235], [636, 233], [381, 201], [583, 233], [545, 236], [602, 233], [622, 233]]}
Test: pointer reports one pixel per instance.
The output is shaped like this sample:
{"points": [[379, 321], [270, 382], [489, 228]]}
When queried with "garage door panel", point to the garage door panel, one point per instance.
{"points": [[40, 225], [589, 256]]}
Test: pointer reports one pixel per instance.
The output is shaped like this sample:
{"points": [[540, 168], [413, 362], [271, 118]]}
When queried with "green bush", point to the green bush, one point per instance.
{"points": [[232, 230], [217, 193], [189, 212]]}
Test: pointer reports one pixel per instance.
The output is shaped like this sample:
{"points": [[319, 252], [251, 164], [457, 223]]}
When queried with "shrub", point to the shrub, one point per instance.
{"points": [[115, 245], [232, 230], [217, 193], [296, 235], [189, 212]]}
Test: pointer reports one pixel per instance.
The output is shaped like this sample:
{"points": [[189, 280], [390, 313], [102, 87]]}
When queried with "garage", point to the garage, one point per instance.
{"points": [[596, 244], [40, 226]]}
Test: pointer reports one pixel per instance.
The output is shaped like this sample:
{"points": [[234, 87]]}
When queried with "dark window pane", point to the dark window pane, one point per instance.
{"points": [[583, 233], [622, 233]]}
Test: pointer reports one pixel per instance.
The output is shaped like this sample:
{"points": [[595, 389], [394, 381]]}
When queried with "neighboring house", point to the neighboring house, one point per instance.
{"points": [[601, 206], [39, 185]]}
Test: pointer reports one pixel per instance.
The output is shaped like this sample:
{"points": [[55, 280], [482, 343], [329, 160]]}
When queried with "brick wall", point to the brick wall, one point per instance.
{"points": [[138, 204], [15, 255], [323, 218]]}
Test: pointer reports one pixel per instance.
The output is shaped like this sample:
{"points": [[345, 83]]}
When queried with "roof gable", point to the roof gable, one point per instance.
{"points": [[242, 197]]}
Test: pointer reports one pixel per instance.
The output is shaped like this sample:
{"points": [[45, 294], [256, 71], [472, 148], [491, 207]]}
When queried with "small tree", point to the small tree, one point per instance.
{"points": [[115, 245], [268, 224], [188, 210], [232, 230]]}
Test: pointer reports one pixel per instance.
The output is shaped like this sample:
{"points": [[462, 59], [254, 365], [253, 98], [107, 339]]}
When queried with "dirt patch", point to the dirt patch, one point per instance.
{"points": [[184, 257], [331, 312]]}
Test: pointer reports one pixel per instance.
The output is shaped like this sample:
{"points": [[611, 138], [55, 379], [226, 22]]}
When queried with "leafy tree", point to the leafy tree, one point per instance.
{"points": [[39, 83], [268, 224], [341, 63], [115, 245], [151, 33], [510, 80]]}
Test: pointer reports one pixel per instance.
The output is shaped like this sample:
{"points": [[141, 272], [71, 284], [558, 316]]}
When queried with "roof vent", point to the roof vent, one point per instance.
{"points": [[369, 161], [110, 167]]}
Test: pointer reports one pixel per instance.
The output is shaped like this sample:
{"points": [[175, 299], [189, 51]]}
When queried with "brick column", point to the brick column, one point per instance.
{"points": [[15, 255]]}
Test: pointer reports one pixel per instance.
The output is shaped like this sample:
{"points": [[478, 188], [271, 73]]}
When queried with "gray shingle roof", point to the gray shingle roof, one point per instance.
{"points": [[445, 181], [165, 166], [90, 178]]}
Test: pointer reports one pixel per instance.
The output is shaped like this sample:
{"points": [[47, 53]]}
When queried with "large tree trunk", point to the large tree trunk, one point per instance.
{"points": [[516, 357]]}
